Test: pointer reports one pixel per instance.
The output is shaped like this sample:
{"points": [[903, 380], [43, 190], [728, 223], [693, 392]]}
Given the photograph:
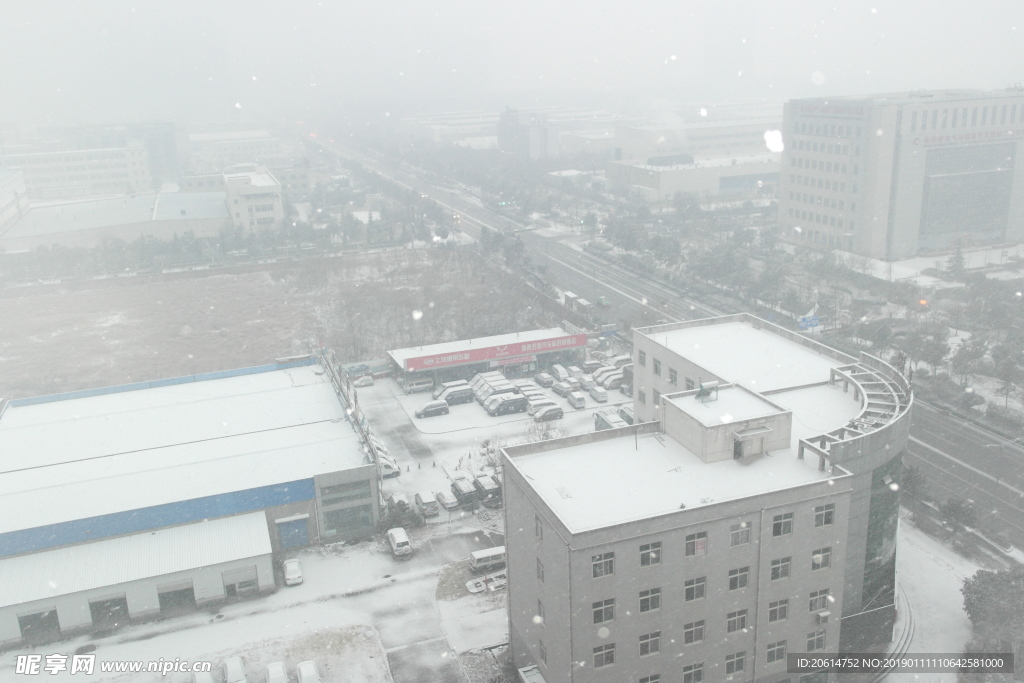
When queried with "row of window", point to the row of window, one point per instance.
{"points": [[650, 644], [825, 238], [822, 183], [820, 218], [937, 119], [818, 200], [821, 166], [826, 148], [826, 130], [673, 376]]}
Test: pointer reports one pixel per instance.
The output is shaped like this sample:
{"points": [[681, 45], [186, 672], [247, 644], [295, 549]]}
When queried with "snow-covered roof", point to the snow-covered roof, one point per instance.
{"points": [[81, 457], [253, 178], [715, 162], [402, 355], [129, 558], [753, 357], [731, 404], [607, 482]]}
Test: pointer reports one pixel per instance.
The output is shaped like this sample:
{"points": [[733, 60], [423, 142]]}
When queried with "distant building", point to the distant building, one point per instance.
{"points": [[83, 172], [703, 140], [218, 151], [254, 199], [747, 514], [13, 198], [659, 180], [889, 176], [536, 133]]}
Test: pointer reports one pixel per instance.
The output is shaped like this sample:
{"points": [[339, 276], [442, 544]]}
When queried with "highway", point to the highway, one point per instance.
{"points": [[956, 457]]}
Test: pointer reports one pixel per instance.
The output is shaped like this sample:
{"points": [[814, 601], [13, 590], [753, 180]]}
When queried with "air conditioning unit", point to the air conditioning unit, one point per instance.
{"points": [[822, 617]]}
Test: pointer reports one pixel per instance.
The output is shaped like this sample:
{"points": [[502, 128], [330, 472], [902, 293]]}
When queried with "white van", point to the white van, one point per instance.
{"points": [[427, 503], [587, 382], [613, 381], [399, 542], [574, 372], [619, 361], [413, 386], [387, 466], [538, 405], [577, 400], [560, 373], [601, 373], [485, 560], [448, 385], [599, 394]]}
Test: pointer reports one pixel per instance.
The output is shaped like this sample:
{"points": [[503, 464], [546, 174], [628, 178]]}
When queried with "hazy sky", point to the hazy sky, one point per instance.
{"points": [[102, 60]]}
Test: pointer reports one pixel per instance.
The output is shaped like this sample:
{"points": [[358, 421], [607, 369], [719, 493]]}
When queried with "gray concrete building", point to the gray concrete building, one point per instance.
{"points": [[889, 176], [746, 515]]}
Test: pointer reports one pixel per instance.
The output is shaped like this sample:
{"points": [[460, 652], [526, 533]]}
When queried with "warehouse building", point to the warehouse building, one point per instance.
{"points": [[518, 354], [747, 514], [130, 502]]}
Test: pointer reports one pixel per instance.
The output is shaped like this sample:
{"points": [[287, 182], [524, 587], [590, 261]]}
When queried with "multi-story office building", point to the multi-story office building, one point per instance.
{"points": [[83, 172], [13, 198], [889, 176], [254, 199], [746, 515]]}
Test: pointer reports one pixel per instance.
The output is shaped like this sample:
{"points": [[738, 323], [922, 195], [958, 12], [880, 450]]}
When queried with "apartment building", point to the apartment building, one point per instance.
{"points": [[733, 524], [889, 176], [83, 172]]}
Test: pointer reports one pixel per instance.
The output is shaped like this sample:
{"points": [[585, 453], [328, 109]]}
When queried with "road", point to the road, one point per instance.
{"points": [[957, 458]]}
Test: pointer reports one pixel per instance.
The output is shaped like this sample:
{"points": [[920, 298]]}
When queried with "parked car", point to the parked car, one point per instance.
{"points": [[464, 491], [276, 673], [626, 389], [544, 379], [487, 560], [306, 672], [506, 405], [364, 381], [591, 365], [563, 389], [458, 395], [574, 383], [560, 373], [415, 385], [488, 490], [447, 500], [549, 413], [234, 670], [432, 409], [204, 677], [587, 383], [577, 400], [539, 405], [427, 504], [448, 385], [575, 371], [292, 572], [399, 542]]}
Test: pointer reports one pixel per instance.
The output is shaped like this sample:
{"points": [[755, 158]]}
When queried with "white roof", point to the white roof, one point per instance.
{"points": [[716, 162], [755, 358], [593, 485], [129, 558], [731, 405], [135, 449], [401, 355], [254, 178]]}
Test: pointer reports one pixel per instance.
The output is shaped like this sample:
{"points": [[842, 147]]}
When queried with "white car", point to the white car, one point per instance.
{"points": [[292, 572], [306, 672], [234, 670], [276, 673], [364, 381]]}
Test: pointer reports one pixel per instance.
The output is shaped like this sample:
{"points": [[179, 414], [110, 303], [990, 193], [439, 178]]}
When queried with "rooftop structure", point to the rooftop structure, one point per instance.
{"points": [[498, 349]]}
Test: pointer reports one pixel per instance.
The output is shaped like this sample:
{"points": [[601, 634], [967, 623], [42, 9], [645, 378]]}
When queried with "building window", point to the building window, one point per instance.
{"points": [[816, 640], [673, 377], [347, 519], [657, 367], [782, 524], [540, 611], [780, 568], [650, 644], [819, 600], [653, 678], [734, 663], [650, 600], [778, 610], [821, 558], [656, 396], [604, 610], [603, 565], [540, 570], [641, 396], [695, 589], [697, 544], [689, 384], [538, 528], [739, 534], [738, 578], [641, 358], [777, 651], [693, 673], [824, 514], [344, 493], [650, 553], [604, 655], [693, 632], [543, 651], [736, 621]]}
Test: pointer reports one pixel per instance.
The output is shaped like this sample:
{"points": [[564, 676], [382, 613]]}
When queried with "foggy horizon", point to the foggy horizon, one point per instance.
{"points": [[235, 62]]}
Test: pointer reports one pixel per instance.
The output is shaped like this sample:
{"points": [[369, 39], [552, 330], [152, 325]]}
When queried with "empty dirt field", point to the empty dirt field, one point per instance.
{"points": [[63, 337]]}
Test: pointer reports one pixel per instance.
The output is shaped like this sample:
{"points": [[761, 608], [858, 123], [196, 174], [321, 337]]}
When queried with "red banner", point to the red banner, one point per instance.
{"points": [[495, 352]]}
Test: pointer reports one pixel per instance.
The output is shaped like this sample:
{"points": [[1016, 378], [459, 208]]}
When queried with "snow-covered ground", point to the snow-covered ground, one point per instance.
{"points": [[930, 575], [911, 269]]}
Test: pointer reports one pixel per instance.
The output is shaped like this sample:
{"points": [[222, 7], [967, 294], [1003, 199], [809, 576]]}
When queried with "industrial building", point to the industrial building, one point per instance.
{"points": [[747, 514], [518, 354], [83, 172], [144, 500], [660, 180], [254, 198], [889, 176], [13, 197]]}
